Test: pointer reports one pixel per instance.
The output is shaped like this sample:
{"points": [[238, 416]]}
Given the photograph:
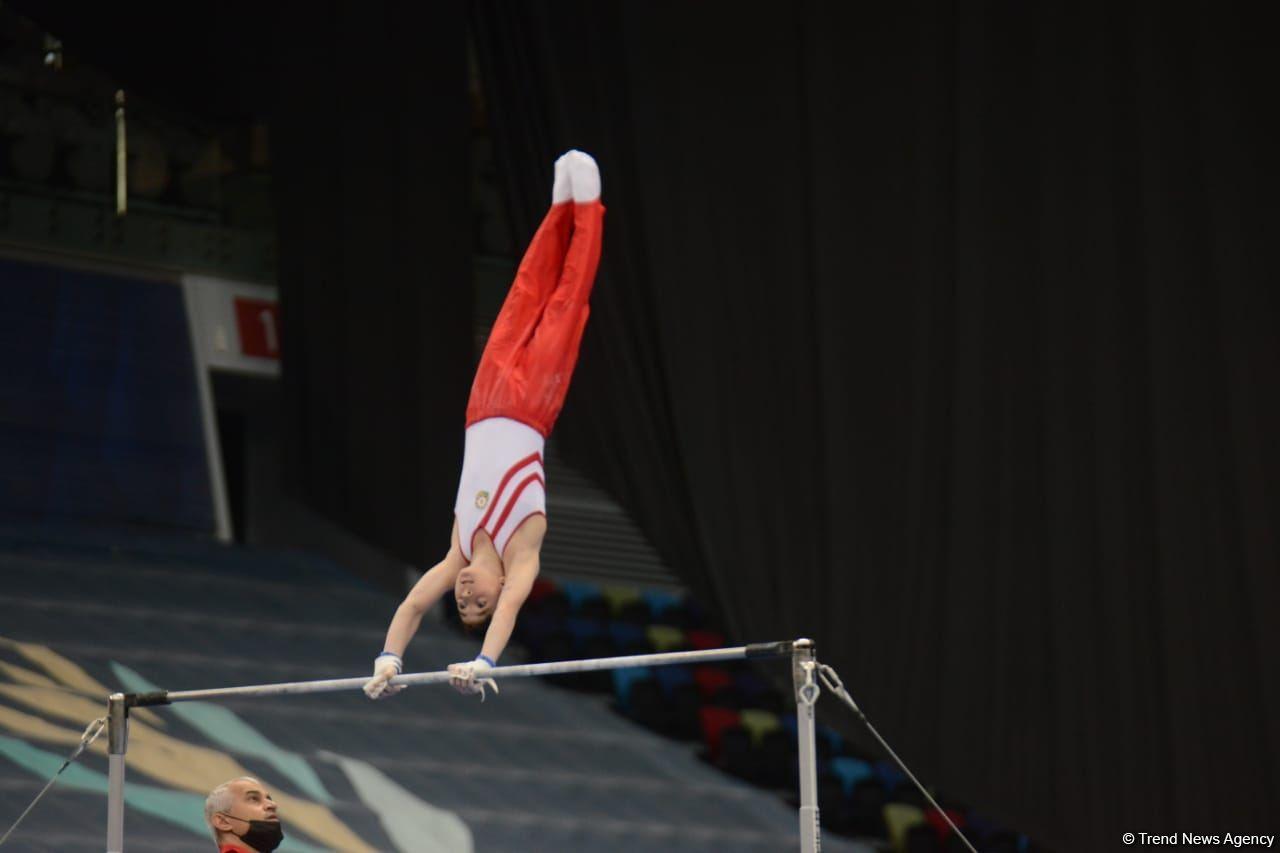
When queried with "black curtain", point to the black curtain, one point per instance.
{"points": [[370, 138], [946, 334]]}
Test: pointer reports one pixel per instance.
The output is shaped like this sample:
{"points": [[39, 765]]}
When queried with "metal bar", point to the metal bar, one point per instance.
{"points": [[122, 159], [804, 674], [518, 671], [117, 745], [208, 413]]}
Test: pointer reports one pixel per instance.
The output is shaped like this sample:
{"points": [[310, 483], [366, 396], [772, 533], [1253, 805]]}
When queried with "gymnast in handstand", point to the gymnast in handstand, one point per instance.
{"points": [[500, 512]]}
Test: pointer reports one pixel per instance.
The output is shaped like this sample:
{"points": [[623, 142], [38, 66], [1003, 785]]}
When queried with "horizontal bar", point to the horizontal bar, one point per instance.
{"points": [[518, 671]]}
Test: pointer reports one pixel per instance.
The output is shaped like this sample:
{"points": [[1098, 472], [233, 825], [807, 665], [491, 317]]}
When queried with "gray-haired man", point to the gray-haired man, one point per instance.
{"points": [[243, 817]]}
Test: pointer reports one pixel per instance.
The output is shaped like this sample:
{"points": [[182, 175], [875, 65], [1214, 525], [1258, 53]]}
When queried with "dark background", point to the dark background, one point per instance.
{"points": [[944, 334]]}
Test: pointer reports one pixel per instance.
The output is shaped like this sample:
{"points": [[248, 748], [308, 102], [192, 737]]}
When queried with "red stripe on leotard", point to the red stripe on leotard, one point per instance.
{"points": [[506, 478], [515, 497]]}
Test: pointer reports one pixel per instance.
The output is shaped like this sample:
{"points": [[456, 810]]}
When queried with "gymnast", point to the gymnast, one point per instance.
{"points": [[519, 388]]}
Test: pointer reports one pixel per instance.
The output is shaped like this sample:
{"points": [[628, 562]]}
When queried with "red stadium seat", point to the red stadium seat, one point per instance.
{"points": [[541, 589], [934, 819], [704, 639], [710, 679], [714, 721]]}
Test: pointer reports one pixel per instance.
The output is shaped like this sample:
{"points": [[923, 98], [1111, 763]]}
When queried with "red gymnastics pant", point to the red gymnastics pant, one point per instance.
{"points": [[527, 364]]}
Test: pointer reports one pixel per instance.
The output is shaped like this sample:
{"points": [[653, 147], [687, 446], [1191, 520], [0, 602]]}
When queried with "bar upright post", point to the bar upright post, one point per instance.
{"points": [[804, 674], [117, 744]]}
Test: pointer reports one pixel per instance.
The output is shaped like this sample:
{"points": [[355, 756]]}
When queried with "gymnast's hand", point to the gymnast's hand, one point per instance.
{"points": [[469, 678], [386, 666]]}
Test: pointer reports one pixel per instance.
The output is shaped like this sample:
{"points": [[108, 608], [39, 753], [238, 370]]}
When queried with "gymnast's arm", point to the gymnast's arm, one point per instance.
{"points": [[521, 564], [425, 593]]}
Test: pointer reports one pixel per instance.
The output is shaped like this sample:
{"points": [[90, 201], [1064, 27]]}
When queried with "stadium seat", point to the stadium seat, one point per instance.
{"points": [[850, 771], [578, 592], [619, 597], [628, 636], [714, 721], [678, 614], [832, 738], [659, 603], [710, 679], [542, 589], [665, 638], [622, 681], [671, 677], [704, 639], [888, 774], [899, 818], [934, 818], [759, 723]]}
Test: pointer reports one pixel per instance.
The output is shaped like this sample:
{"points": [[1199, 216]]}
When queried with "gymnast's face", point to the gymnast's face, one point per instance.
{"points": [[476, 590]]}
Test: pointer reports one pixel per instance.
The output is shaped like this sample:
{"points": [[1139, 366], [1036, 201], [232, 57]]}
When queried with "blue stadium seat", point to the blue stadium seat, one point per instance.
{"points": [[626, 635], [888, 774], [671, 677], [622, 681], [584, 629], [578, 592], [659, 602], [850, 771], [832, 738]]}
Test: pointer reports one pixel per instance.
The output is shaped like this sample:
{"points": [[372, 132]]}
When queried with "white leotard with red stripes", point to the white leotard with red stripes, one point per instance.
{"points": [[503, 483]]}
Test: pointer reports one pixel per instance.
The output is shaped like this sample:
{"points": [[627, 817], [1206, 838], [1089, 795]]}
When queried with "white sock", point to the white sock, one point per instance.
{"points": [[560, 186], [584, 176]]}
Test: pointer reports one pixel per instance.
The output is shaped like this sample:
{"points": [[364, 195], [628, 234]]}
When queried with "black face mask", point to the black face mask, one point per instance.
{"points": [[263, 835]]}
